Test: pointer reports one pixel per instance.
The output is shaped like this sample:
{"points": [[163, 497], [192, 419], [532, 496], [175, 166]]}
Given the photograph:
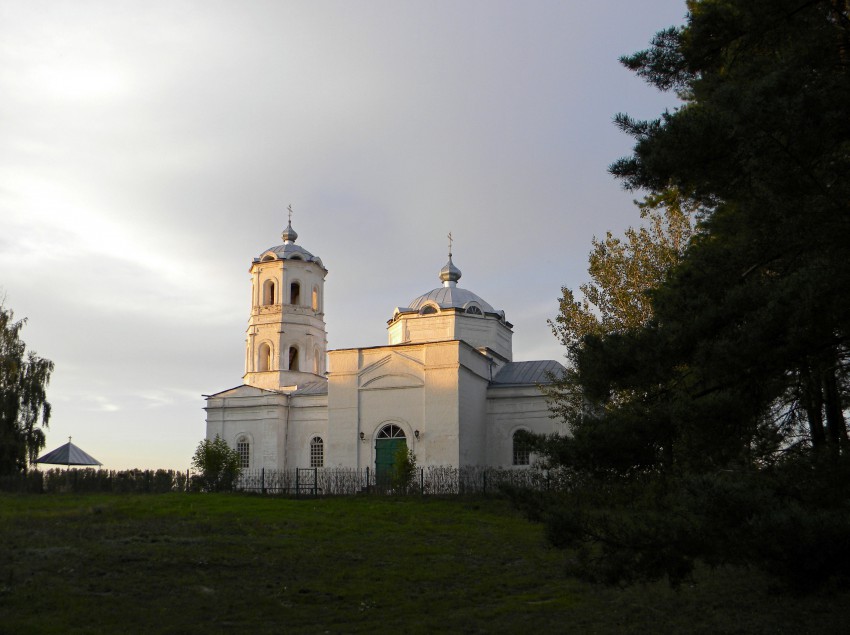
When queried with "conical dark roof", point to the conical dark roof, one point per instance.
{"points": [[68, 454]]}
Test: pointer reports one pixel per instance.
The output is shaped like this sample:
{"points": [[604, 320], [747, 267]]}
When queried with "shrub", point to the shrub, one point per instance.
{"points": [[404, 470], [218, 465]]}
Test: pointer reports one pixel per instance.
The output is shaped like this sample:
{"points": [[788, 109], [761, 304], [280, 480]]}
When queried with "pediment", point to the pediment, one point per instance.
{"points": [[392, 370], [392, 381]]}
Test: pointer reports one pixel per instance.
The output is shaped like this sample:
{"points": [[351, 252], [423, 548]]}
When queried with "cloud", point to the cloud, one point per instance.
{"points": [[148, 152]]}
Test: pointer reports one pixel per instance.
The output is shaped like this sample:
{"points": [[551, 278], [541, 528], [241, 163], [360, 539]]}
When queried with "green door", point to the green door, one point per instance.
{"points": [[387, 443]]}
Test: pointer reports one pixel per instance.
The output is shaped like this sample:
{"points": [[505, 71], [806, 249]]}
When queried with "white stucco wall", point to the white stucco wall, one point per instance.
{"points": [[308, 417], [511, 408], [256, 413], [479, 331]]}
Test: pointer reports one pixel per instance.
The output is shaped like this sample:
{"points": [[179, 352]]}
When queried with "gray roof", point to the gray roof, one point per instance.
{"points": [[312, 388], [290, 251], [536, 372], [68, 454], [451, 297]]}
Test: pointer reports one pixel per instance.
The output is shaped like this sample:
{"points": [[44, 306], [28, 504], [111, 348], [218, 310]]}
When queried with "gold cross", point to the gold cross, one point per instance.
{"points": [[450, 243], [290, 213]]}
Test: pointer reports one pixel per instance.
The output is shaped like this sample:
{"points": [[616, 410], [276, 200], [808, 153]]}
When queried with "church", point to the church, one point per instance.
{"points": [[444, 386]]}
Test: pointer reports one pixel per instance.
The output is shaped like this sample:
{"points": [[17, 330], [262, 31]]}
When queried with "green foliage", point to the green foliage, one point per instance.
{"points": [[403, 478], [24, 408], [218, 464], [78, 481], [623, 273], [709, 418], [753, 323], [740, 350], [788, 521]]}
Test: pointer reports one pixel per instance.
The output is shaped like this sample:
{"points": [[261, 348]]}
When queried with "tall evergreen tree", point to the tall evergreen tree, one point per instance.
{"points": [[24, 408], [754, 323], [716, 425]]}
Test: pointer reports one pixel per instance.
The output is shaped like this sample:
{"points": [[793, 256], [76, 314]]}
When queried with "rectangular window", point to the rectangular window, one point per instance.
{"points": [[521, 452], [244, 450], [317, 452]]}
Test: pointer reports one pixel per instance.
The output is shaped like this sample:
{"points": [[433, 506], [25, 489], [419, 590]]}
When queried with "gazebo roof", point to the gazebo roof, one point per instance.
{"points": [[68, 454]]}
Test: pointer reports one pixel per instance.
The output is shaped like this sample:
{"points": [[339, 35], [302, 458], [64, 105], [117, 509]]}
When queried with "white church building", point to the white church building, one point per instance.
{"points": [[445, 385]]}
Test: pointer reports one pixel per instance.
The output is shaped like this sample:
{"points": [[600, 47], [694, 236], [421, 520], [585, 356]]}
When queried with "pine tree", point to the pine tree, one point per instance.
{"points": [[753, 324], [712, 427]]}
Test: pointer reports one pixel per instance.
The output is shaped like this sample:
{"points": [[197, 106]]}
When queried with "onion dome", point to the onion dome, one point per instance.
{"points": [[450, 274], [289, 250], [451, 296], [289, 235]]}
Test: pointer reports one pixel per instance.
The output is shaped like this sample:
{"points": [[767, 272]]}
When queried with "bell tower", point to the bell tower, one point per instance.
{"points": [[286, 343]]}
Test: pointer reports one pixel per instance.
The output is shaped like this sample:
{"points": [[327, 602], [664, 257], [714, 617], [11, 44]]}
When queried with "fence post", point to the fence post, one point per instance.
{"points": [[422, 481], [484, 487], [367, 479], [263, 480], [297, 483], [315, 482]]}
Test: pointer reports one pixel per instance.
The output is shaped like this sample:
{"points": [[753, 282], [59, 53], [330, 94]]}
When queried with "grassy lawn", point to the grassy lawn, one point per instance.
{"points": [[183, 563]]}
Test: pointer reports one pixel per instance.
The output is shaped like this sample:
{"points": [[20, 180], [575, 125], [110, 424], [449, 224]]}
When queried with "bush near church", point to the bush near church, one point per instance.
{"points": [[218, 465], [404, 470]]}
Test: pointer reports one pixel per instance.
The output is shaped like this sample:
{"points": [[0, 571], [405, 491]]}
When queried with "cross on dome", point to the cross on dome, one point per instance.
{"points": [[450, 274], [289, 235]]}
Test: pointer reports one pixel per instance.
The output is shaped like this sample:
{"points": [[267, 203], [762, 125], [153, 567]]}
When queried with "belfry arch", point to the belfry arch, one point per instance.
{"points": [[268, 292], [264, 357]]}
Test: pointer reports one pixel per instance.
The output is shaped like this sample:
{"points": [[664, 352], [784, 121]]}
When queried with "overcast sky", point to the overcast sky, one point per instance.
{"points": [[148, 151]]}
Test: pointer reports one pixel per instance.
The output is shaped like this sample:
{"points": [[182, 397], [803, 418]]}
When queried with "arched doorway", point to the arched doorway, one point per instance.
{"points": [[387, 443]]}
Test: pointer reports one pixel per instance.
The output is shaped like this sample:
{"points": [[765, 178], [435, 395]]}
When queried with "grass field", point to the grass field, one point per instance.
{"points": [[183, 563]]}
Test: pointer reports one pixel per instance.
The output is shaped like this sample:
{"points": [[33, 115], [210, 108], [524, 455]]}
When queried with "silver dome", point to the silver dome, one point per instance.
{"points": [[451, 298], [450, 273], [289, 250], [289, 234]]}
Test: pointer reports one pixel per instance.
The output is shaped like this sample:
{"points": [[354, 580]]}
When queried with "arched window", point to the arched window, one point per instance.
{"points": [[294, 293], [293, 358], [264, 357], [317, 452], [243, 449], [473, 310], [392, 431], [521, 451], [315, 298], [428, 309], [268, 292]]}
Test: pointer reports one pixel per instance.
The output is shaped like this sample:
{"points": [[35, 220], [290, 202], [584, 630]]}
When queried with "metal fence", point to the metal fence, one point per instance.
{"points": [[329, 481], [434, 480]]}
